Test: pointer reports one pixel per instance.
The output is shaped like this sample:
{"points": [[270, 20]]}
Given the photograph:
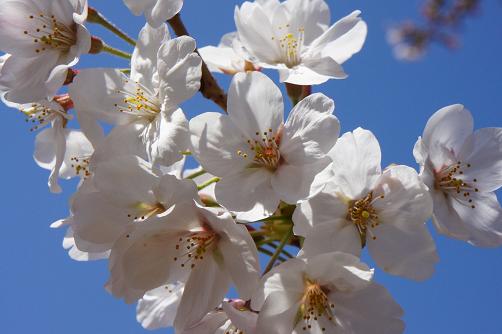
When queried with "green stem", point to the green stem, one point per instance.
{"points": [[196, 174], [116, 52], [186, 153], [285, 252], [269, 253], [279, 250], [96, 17], [208, 183], [272, 218]]}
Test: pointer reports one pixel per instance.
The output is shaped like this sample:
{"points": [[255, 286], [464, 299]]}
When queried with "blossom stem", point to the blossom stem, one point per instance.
{"points": [[208, 183], [96, 17], [279, 250], [209, 86], [269, 253], [272, 218], [196, 174], [186, 153], [116, 52]]}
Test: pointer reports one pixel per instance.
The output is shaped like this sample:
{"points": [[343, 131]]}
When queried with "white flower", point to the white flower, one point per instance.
{"points": [[462, 169], [44, 39], [363, 206], [295, 37], [256, 154], [233, 317], [120, 194], [201, 247], [226, 58], [61, 150], [157, 308], [328, 293], [156, 11], [144, 107]]}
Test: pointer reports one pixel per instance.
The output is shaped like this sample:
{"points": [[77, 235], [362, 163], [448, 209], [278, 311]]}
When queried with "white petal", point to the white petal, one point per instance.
{"points": [[343, 39], [204, 291], [157, 308], [483, 151], [449, 126], [162, 10], [257, 199], [356, 160], [255, 104], [216, 141], [277, 316], [401, 244], [179, 70], [370, 310], [310, 131], [314, 15], [312, 72], [144, 57]]}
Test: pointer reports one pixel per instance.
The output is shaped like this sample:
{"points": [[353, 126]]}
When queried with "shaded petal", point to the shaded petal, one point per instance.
{"points": [[162, 10], [157, 308]]}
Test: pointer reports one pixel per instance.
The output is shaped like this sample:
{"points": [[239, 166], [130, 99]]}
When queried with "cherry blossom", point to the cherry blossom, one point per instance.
{"points": [[44, 39], [257, 155], [143, 107], [365, 206], [295, 37], [155, 11], [305, 295], [462, 169]]}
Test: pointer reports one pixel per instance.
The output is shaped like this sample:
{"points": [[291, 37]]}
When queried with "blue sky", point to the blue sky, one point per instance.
{"points": [[43, 291]]}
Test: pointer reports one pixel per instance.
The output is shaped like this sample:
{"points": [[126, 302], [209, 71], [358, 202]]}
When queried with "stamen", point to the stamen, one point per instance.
{"points": [[81, 166], [43, 115], [49, 33], [362, 214], [138, 101], [291, 45], [315, 307], [193, 247], [451, 180], [143, 211], [265, 149]]}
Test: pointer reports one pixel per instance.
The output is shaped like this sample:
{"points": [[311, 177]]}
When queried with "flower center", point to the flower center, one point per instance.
{"points": [[291, 44], [315, 306], [143, 211], [264, 150], [362, 214], [192, 248], [138, 101], [41, 115], [452, 182], [232, 329], [49, 33], [81, 165]]}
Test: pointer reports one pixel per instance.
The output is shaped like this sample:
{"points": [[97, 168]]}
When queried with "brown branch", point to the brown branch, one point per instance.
{"points": [[208, 87]]}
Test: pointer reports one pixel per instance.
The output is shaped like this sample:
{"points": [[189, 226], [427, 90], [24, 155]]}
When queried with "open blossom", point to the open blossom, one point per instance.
{"points": [[226, 57], [232, 317], [256, 154], [61, 150], [365, 206], [120, 194], [462, 169], [156, 11], [328, 293], [44, 39], [143, 107], [296, 38], [202, 247]]}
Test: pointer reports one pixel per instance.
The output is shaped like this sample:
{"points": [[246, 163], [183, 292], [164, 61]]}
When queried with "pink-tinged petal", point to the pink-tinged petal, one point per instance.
{"points": [[257, 198], [244, 320], [311, 130], [255, 105], [204, 291], [356, 162], [449, 127]]}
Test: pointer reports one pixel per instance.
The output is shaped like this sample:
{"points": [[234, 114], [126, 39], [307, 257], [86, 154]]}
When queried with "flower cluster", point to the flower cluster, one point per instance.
{"points": [[177, 240]]}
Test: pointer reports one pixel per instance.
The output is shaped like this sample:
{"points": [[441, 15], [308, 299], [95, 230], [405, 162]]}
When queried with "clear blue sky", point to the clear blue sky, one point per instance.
{"points": [[43, 291]]}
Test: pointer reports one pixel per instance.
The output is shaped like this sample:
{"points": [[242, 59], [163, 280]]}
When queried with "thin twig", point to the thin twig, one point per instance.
{"points": [[96, 17], [279, 249], [209, 86]]}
